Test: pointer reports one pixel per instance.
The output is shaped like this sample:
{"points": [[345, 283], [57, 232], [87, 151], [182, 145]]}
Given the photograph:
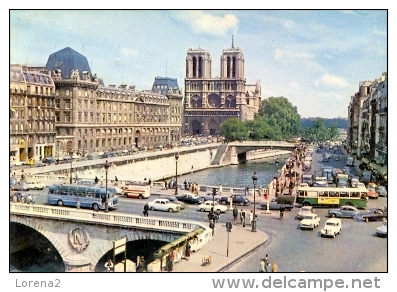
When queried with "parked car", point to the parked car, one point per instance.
{"points": [[236, 200], [20, 186], [208, 197], [332, 227], [189, 198], [285, 201], [174, 200], [163, 205], [343, 212], [309, 221], [381, 190], [35, 185], [373, 214], [382, 230], [207, 206], [48, 160], [304, 211], [372, 194]]}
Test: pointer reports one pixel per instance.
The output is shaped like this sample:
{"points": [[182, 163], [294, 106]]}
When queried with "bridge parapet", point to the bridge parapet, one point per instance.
{"points": [[112, 218]]}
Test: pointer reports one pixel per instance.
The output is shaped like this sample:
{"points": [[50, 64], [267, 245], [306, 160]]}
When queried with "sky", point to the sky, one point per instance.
{"points": [[315, 58]]}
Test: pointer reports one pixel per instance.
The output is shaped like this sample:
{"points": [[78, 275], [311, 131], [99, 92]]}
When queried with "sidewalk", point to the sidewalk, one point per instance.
{"points": [[241, 242]]}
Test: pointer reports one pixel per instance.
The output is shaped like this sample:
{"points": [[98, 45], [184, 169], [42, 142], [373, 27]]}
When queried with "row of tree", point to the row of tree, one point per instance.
{"points": [[277, 120]]}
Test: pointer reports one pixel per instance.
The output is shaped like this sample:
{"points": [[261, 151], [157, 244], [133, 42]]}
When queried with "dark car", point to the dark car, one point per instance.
{"points": [[236, 200], [19, 195], [208, 197], [189, 198], [49, 160], [286, 201], [373, 214], [174, 200]]}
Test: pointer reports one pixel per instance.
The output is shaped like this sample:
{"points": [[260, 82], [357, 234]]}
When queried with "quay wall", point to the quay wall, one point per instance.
{"points": [[153, 165]]}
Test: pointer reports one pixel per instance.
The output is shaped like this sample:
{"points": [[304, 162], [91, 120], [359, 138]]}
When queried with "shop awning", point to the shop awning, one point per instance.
{"points": [[365, 160]]}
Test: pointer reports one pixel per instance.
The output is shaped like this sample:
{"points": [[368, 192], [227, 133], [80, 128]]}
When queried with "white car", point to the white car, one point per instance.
{"points": [[309, 221], [35, 185], [163, 205], [305, 210], [331, 228], [382, 230], [207, 205]]}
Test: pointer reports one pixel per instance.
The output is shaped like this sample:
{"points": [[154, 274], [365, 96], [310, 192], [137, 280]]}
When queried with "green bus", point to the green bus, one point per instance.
{"points": [[332, 197]]}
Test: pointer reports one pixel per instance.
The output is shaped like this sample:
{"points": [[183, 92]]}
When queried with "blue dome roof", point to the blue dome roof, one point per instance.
{"points": [[66, 60]]}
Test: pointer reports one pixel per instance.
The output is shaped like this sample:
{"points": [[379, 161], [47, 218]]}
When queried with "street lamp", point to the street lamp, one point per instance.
{"points": [[254, 180], [176, 174], [71, 171], [84, 146], [58, 142], [107, 165]]}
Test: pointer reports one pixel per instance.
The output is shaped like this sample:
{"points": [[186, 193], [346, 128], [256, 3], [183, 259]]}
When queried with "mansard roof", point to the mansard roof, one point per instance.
{"points": [[66, 60]]}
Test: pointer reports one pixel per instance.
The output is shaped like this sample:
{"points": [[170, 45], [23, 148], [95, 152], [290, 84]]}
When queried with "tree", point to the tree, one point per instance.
{"points": [[281, 116], [233, 129]]}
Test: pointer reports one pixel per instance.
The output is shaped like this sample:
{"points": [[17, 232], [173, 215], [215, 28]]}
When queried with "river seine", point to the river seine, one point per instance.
{"points": [[232, 176]]}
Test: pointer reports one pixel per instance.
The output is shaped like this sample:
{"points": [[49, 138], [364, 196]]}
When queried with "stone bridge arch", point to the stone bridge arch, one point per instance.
{"points": [[101, 239]]}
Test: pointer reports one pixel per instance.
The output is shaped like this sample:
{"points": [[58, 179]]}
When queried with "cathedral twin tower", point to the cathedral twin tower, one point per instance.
{"points": [[210, 101]]}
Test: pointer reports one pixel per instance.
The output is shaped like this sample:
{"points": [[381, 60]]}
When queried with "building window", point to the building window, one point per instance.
{"points": [[67, 117], [57, 103], [67, 92], [67, 103]]}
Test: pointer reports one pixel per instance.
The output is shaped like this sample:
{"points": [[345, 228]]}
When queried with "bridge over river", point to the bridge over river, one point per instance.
{"points": [[83, 237]]}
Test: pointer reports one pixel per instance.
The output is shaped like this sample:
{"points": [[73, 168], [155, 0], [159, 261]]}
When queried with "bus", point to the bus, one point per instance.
{"points": [[332, 197], [92, 197]]}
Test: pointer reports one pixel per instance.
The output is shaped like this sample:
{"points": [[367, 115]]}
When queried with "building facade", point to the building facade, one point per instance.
{"points": [[32, 114], [367, 125], [210, 101], [68, 110]]}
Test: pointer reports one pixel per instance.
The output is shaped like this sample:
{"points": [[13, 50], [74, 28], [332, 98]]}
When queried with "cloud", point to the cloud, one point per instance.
{"points": [[294, 85], [129, 52], [282, 54], [332, 81], [205, 23], [379, 32]]}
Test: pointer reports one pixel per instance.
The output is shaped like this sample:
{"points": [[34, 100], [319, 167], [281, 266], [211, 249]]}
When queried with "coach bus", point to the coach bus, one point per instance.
{"points": [[331, 196], [92, 197]]}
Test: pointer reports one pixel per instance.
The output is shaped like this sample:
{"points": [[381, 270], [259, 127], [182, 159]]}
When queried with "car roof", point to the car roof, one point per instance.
{"points": [[333, 220]]}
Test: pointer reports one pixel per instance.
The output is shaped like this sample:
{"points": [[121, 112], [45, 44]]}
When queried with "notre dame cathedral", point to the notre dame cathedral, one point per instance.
{"points": [[210, 101]]}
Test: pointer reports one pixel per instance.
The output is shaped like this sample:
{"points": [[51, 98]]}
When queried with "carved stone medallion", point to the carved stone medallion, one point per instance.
{"points": [[79, 239]]}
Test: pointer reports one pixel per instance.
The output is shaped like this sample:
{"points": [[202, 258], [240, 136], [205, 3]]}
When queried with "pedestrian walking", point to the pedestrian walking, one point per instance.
{"points": [[220, 189], [116, 181], [78, 204], [262, 268], [33, 199], [267, 263], [251, 217], [235, 213], [146, 210], [243, 217], [212, 226], [185, 184], [29, 200], [187, 251], [274, 267]]}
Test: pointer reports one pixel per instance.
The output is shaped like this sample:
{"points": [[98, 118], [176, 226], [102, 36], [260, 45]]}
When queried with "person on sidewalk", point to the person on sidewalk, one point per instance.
{"points": [[242, 214], [251, 217], [235, 213], [212, 226]]}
